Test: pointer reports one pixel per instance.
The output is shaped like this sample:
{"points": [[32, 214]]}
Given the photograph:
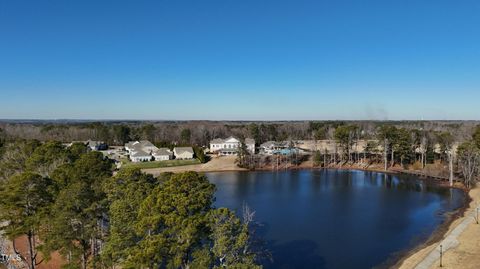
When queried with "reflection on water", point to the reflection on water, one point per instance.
{"points": [[336, 218]]}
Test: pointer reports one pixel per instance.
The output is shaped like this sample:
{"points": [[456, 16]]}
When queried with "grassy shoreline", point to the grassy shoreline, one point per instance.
{"points": [[160, 164]]}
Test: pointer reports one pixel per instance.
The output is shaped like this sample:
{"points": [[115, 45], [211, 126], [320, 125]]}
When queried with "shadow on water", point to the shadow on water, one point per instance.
{"points": [[290, 255], [297, 254]]}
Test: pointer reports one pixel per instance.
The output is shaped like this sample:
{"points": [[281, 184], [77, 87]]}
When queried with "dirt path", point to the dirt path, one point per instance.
{"points": [[216, 164], [461, 244]]}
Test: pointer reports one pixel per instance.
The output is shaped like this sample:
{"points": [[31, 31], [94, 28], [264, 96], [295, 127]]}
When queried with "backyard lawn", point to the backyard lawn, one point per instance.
{"points": [[160, 164]]}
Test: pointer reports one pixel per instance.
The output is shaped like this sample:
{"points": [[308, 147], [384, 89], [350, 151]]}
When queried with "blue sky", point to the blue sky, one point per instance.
{"points": [[244, 59]]}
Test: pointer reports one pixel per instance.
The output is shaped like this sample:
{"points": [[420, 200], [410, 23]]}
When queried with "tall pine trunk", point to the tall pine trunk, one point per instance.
{"points": [[31, 250]]}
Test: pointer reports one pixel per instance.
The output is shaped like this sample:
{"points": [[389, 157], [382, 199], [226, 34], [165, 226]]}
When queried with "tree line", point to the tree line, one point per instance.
{"points": [[167, 133], [68, 200], [405, 147]]}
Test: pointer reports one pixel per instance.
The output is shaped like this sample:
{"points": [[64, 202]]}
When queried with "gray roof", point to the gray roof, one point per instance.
{"points": [[220, 140], [181, 150], [130, 144], [92, 143], [267, 144], [136, 147], [143, 145], [139, 153], [274, 144], [162, 151], [146, 143]]}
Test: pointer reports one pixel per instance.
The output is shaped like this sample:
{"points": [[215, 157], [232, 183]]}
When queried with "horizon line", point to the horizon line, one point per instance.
{"points": [[230, 120]]}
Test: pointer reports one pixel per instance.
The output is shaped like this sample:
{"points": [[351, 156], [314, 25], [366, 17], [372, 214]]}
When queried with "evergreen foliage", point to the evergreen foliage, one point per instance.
{"points": [[68, 200]]}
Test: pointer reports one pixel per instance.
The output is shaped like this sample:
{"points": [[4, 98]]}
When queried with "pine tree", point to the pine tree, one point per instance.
{"points": [[77, 218], [125, 193], [24, 202]]}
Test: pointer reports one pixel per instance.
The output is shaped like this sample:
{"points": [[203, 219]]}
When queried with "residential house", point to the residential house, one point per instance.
{"points": [[183, 153], [96, 145], [273, 147], [144, 145], [140, 156], [138, 150], [162, 154], [230, 145]]}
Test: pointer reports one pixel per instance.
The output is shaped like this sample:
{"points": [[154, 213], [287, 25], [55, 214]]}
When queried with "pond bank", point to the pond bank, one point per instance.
{"points": [[228, 164], [216, 164], [460, 241]]}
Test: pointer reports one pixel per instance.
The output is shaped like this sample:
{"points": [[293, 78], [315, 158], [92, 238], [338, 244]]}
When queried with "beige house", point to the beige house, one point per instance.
{"points": [[183, 153], [162, 154]]}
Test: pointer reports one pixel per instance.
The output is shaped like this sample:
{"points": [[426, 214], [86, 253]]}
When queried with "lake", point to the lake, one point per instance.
{"points": [[337, 218]]}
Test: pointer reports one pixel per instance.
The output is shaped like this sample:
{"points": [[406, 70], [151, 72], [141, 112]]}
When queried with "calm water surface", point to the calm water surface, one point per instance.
{"points": [[335, 218]]}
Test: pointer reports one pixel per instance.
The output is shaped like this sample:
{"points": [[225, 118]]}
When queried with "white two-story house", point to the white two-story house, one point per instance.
{"points": [[230, 146]]}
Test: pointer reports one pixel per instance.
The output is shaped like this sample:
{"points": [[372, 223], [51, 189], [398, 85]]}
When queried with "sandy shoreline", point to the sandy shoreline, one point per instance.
{"points": [[216, 164], [227, 164], [404, 259], [460, 242]]}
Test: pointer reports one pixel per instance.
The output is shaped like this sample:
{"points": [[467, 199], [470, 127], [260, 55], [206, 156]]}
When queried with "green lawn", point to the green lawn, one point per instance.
{"points": [[160, 164]]}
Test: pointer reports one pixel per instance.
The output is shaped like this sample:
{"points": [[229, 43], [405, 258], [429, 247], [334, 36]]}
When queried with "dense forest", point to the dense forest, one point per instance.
{"points": [[201, 132], [391, 143]]}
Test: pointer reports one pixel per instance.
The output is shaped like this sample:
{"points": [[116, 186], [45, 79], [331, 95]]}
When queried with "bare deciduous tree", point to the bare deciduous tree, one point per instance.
{"points": [[469, 161]]}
